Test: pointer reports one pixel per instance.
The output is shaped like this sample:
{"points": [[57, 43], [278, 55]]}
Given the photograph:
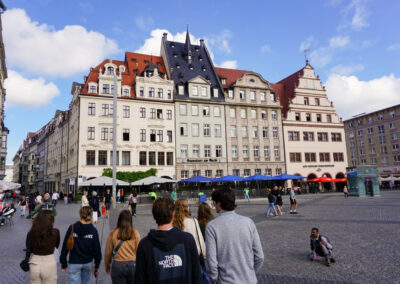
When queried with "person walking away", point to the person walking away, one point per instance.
{"points": [[174, 195], [205, 216], [188, 224], [246, 194], [275, 192], [345, 191], [271, 202], [320, 247], [14, 196], [234, 251], [153, 195], [70, 197], [167, 255], [118, 196], [85, 200], [62, 195], [122, 244], [45, 205], [8, 213], [22, 205], [31, 203], [95, 204], [122, 200], [107, 201], [86, 248], [279, 201], [293, 201], [133, 202], [54, 198], [41, 241]]}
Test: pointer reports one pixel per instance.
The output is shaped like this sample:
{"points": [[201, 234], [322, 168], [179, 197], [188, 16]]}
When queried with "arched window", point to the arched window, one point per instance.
{"points": [[110, 70]]}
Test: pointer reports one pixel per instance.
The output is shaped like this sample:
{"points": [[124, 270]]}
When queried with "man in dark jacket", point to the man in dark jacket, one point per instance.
{"points": [[167, 255], [47, 204]]}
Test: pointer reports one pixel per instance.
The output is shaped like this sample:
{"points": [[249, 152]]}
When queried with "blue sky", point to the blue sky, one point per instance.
{"points": [[354, 46]]}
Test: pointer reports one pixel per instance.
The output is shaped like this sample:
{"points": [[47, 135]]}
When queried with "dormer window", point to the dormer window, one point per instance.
{"points": [[200, 58], [121, 69], [125, 92], [178, 66], [172, 45], [273, 97], [230, 94], [92, 89], [197, 49], [189, 57], [180, 90], [215, 92], [175, 55], [223, 81], [204, 69], [110, 70], [141, 92], [191, 67], [252, 81]]}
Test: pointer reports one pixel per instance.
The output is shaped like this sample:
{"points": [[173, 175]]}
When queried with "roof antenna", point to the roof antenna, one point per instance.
{"points": [[305, 55]]}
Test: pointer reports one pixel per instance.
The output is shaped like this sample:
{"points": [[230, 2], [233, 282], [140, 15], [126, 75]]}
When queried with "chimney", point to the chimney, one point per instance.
{"points": [[201, 42], [165, 36]]}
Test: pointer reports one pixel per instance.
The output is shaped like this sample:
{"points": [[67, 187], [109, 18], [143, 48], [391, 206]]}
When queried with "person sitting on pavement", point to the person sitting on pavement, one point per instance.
{"points": [[5, 209], [45, 205], [320, 246], [11, 210]]}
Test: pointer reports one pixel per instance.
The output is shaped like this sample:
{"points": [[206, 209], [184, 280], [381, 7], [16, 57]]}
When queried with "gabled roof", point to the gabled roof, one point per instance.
{"points": [[231, 75]]}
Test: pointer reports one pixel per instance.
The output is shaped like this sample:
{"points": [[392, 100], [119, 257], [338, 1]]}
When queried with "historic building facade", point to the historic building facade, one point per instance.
{"points": [[374, 139], [313, 132], [3, 75]]}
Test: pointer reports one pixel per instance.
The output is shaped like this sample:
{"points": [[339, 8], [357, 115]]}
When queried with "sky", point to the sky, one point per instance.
{"points": [[49, 44]]}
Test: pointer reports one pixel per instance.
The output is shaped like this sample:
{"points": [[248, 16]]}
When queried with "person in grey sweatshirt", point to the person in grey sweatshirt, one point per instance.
{"points": [[234, 251]]}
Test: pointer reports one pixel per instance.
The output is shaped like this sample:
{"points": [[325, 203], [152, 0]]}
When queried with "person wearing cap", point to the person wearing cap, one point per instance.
{"points": [[45, 205]]}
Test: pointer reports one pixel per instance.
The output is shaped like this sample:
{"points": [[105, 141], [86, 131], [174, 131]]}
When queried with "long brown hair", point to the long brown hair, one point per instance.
{"points": [[181, 211], [204, 213], [124, 224], [42, 228]]}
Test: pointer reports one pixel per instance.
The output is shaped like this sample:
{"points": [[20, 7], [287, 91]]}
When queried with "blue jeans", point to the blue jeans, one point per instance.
{"points": [[271, 205], [79, 273]]}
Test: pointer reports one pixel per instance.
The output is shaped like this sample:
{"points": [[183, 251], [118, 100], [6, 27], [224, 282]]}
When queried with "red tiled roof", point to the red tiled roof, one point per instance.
{"points": [[132, 62], [231, 75]]}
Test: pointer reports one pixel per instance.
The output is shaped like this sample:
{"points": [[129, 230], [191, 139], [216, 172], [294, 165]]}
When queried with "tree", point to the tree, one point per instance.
{"points": [[130, 176]]}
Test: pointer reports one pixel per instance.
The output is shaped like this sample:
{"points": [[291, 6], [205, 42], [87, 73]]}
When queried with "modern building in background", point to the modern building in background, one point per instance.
{"points": [[3, 75], [374, 139]]}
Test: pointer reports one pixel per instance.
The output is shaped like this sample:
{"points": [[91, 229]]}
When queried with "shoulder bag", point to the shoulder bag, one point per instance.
{"points": [[70, 241]]}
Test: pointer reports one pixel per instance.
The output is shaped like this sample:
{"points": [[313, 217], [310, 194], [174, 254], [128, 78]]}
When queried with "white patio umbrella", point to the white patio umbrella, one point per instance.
{"points": [[152, 180], [101, 181], [8, 185]]}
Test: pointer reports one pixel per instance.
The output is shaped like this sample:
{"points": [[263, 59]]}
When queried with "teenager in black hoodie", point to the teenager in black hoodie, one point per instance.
{"points": [[167, 255], [86, 248]]}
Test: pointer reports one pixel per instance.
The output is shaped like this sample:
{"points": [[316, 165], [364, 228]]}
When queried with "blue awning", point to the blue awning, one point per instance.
{"points": [[228, 178], [197, 179], [286, 177], [258, 177]]}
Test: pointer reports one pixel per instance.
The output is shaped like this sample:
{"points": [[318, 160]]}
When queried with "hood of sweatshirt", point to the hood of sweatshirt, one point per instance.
{"points": [[83, 229], [164, 240]]}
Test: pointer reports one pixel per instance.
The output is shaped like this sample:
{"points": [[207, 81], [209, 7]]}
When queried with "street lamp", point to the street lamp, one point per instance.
{"points": [[114, 174]]}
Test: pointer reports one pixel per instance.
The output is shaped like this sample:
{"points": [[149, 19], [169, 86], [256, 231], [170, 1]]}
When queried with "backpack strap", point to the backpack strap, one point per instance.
{"points": [[114, 252]]}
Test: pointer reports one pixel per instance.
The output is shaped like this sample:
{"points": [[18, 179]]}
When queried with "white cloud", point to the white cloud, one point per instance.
{"points": [[30, 93], [347, 70], [323, 55], [145, 23], [232, 64], [394, 47], [40, 49], [359, 19], [220, 41], [338, 41], [266, 48], [352, 96], [306, 43]]}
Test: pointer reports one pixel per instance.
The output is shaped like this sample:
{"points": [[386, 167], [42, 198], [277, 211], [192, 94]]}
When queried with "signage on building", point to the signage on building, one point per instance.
{"points": [[318, 166], [202, 161], [71, 180]]}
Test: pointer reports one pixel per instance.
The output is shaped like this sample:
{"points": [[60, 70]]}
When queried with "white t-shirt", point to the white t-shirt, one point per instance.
{"points": [[54, 196], [38, 199]]}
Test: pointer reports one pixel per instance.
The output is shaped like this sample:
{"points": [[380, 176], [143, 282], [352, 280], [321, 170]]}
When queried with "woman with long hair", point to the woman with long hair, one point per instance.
{"points": [[121, 250], [186, 223], [41, 241], [204, 215]]}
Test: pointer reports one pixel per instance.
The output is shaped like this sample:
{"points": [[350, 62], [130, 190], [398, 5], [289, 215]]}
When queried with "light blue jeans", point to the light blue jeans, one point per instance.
{"points": [[271, 205], [79, 273]]}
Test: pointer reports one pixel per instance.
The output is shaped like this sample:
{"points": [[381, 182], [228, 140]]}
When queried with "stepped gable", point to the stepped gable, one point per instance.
{"points": [[230, 75]]}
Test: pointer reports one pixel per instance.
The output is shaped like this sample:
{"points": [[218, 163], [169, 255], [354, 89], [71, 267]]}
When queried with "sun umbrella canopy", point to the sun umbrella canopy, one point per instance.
{"points": [[152, 180], [258, 177], [286, 177], [8, 185], [228, 178], [101, 181], [197, 179]]}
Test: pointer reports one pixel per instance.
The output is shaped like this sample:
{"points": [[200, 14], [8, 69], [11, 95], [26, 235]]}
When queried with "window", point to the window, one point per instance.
{"points": [[244, 132], [318, 117], [153, 113], [328, 118], [265, 132], [252, 95], [152, 158], [206, 111], [310, 157], [183, 129], [217, 111], [104, 133], [245, 151], [380, 117], [256, 151], [143, 158], [141, 92], [236, 172], [204, 91], [208, 173], [382, 140], [381, 129], [217, 129], [322, 136], [218, 151], [243, 113], [219, 173], [278, 171], [169, 114], [159, 113], [371, 140], [233, 131], [159, 136], [206, 130], [184, 151], [264, 114], [170, 158], [111, 109], [151, 93], [195, 129], [207, 151], [234, 151], [395, 147], [160, 93], [161, 158], [360, 132], [125, 92], [232, 112], [276, 151], [255, 131], [392, 114], [316, 101], [195, 110], [90, 158], [181, 90], [106, 88], [92, 89], [111, 158], [392, 125], [338, 157], [268, 172], [295, 157], [102, 158], [169, 95], [105, 109], [184, 174], [370, 130], [126, 111], [275, 132], [195, 91], [110, 70], [126, 158], [142, 135], [230, 94], [242, 95], [111, 134], [125, 134], [152, 135], [262, 96], [142, 112], [92, 109], [169, 136], [324, 157], [308, 116], [91, 133], [266, 152], [359, 122], [273, 97], [196, 173], [297, 116], [215, 92], [246, 172], [274, 115], [253, 113], [361, 142], [336, 137], [306, 102], [293, 136], [196, 151]]}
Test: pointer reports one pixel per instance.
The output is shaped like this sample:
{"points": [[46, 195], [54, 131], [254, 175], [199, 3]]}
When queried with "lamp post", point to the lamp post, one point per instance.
{"points": [[114, 174]]}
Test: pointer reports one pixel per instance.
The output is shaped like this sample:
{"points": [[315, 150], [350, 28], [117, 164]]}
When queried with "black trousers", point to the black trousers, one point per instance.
{"points": [[123, 272], [133, 208]]}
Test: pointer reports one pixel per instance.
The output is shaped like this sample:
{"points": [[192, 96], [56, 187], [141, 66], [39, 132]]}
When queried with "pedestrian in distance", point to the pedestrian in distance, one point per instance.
{"points": [[31, 203], [153, 195], [95, 204], [22, 205], [121, 248], [54, 198], [234, 251], [246, 194], [41, 242], [293, 201], [174, 195], [45, 205], [345, 192], [133, 202], [107, 201], [279, 201], [85, 249], [118, 196], [85, 200], [320, 247], [122, 200], [167, 255], [271, 203], [204, 215]]}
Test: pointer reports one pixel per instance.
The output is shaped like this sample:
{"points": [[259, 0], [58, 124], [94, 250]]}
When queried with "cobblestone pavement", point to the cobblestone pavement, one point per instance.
{"points": [[363, 231]]}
